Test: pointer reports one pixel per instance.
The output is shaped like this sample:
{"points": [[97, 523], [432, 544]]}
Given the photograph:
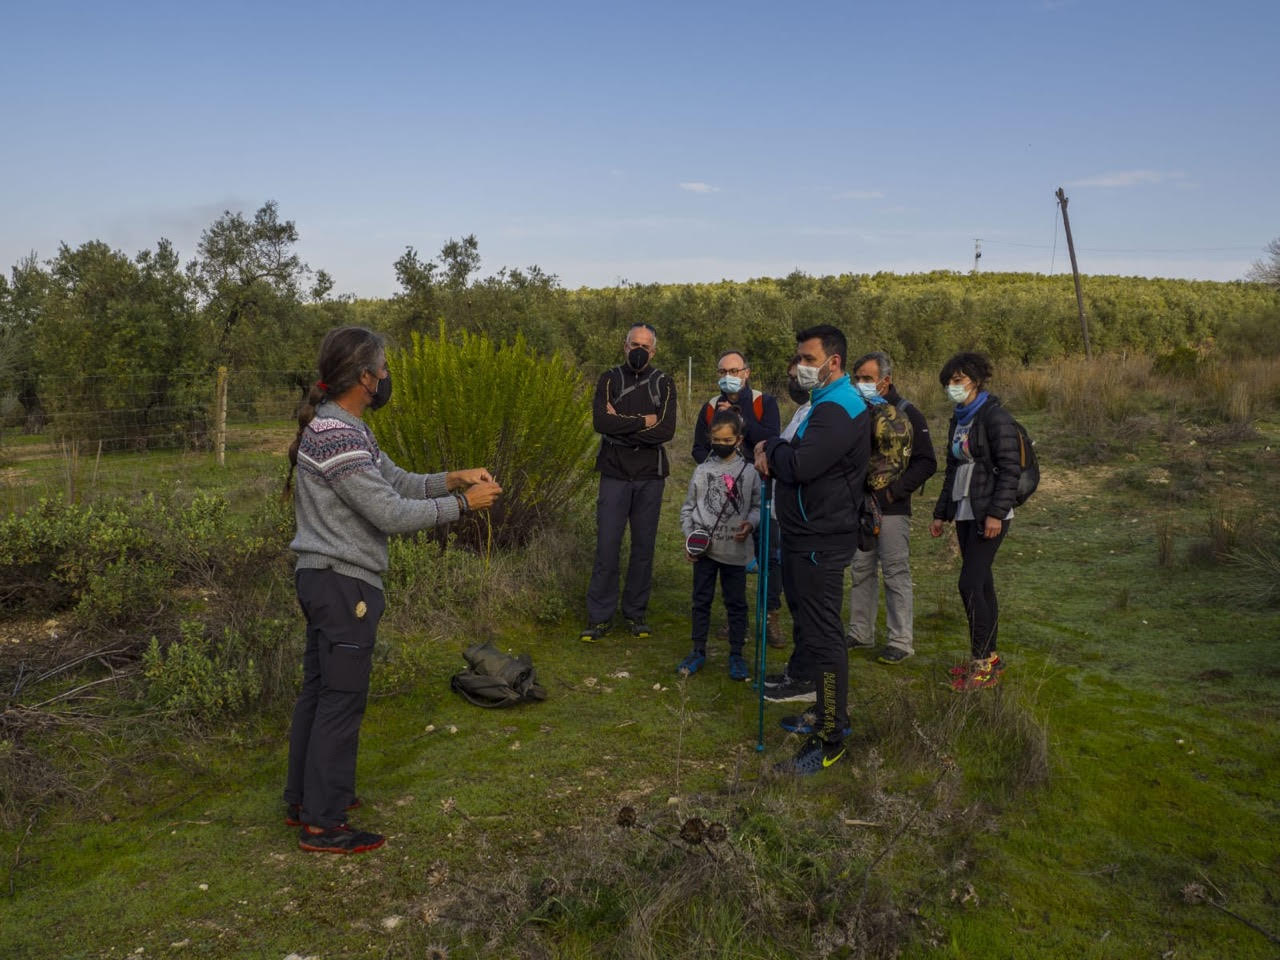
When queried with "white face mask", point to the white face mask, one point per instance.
{"points": [[958, 393], [809, 378]]}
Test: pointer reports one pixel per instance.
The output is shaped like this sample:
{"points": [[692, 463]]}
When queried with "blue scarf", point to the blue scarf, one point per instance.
{"points": [[965, 414]]}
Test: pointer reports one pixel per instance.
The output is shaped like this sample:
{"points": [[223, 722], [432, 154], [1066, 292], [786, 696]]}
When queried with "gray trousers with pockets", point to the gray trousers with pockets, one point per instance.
{"points": [[893, 554]]}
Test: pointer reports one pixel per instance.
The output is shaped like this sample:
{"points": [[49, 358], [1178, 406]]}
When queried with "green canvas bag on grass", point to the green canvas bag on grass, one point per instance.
{"points": [[495, 679]]}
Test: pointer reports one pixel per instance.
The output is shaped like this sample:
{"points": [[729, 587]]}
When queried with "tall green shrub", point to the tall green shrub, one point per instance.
{"points": [[470, 403]]}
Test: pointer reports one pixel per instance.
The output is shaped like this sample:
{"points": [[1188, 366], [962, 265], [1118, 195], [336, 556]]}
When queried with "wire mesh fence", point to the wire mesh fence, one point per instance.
{"points": [[103, 435]]}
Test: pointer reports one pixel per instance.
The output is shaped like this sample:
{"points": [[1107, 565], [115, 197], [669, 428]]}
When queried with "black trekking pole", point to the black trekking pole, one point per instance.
{"points": [[762, 604]]}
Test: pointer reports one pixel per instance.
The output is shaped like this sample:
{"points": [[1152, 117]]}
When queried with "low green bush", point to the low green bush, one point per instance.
{"points": [[119, 561]]}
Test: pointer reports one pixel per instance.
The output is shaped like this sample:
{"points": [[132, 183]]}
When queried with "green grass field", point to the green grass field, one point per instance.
{"points": [[1130, 751]]}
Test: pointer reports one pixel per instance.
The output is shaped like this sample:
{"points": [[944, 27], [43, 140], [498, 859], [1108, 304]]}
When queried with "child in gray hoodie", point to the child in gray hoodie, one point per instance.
{"points": [[724, 504]]}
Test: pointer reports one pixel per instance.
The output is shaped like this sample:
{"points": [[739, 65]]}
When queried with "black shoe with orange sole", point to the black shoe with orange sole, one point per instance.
{"points": [[340, 839]]}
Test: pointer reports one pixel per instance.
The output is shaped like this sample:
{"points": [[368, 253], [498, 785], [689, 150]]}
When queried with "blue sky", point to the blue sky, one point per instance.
{"points": [[654, 142]]}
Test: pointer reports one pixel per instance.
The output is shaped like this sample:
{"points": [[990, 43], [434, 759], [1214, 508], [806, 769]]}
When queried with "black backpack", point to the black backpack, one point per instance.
{"points": [[1029, 478], [494, 679]]}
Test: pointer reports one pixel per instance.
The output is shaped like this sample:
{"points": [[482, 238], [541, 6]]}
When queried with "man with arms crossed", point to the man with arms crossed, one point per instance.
{"points": [[634, 411]]}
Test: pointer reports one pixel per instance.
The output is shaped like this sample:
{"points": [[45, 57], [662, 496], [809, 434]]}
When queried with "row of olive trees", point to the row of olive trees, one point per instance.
{"points": [[110, 346]]}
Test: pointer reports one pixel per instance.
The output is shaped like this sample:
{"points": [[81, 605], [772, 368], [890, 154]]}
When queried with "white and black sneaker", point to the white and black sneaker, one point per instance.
{"points": [[791, 690], [777, 679]]}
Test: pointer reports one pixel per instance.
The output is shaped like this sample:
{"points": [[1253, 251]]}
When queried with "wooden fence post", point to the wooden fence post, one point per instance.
{"points": [[220, 419]]}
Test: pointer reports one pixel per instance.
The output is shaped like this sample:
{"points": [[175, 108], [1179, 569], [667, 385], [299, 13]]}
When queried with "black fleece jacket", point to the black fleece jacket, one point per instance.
{"points": [[997, 464], [628, 449]]}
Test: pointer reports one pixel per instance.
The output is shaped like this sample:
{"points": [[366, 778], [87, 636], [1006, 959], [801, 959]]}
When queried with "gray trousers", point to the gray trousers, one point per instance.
{"points": [[623, 503], [893, 553]]}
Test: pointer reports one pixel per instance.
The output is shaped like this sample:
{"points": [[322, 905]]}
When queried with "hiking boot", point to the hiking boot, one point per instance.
{"points": [[293, 812], [639, 629], [593, 632], [893, 655], [804, 724], [814, 756], [960, 669], [772, 634], [855, 643], [340, 839], [797, 690], [691, 664], [978, 674], [738, 667]]}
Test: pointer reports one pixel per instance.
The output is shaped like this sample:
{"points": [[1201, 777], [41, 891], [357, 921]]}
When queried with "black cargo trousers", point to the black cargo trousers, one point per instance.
{"points": [[342, 621], [623, 503]]}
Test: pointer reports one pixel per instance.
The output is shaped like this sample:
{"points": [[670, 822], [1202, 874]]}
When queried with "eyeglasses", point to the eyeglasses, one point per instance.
{"points": [[732, 371]]}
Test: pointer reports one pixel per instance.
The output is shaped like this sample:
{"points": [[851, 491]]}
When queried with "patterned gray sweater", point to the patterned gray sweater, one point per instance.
{"points": [[348, 496], [717, 490]]}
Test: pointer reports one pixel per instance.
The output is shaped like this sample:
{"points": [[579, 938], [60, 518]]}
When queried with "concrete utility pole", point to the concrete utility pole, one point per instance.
{"points": [[1075, 273], [977, 253]]}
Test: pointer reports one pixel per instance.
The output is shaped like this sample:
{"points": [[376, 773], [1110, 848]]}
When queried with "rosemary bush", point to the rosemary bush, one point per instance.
{"points": [[471, 403]]}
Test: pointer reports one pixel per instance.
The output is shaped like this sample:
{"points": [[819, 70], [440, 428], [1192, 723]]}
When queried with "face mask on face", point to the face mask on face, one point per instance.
{"points": [[810, 377], [957, 393], [730, 384], [797, 393], [724, 450], [637, 358], [868, 390], [380, 396]]}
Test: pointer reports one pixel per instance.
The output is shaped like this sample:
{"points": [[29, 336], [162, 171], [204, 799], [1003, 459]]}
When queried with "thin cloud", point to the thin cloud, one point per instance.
{"points": [[860, 195], [1126, 178], [697, 186]]}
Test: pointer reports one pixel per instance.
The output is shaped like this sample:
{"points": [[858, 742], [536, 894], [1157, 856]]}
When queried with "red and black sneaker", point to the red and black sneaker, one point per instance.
{"points": [[340, 839], [962, 669], [293, 812]]}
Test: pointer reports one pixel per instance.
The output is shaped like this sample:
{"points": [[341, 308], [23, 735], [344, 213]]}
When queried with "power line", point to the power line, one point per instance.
{"points": [[1045, 246]]}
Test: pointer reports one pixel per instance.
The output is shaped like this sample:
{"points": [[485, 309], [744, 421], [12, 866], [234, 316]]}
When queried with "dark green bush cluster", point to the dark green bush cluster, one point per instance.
{"points": [[117, 562], [200, 677], [472, 403]]}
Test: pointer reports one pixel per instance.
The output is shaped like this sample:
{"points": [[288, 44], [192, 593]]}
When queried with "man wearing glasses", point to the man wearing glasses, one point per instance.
{"points": [[760, 422]]}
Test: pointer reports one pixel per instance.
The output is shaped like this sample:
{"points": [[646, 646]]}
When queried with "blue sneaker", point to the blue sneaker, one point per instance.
{"points": [[738, 667], [691, 664], [804, 724], [813, 757]]}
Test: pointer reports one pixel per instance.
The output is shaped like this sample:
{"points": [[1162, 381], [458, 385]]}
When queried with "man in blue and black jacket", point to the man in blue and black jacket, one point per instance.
{"points": [[819, 476]]}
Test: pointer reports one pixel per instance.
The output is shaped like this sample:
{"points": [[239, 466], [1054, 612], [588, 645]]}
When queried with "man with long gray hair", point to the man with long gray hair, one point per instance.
{"points": [[873, 378]]}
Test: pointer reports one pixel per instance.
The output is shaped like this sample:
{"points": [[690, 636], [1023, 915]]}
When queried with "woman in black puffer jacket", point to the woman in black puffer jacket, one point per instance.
{"points": [[983, 464]]}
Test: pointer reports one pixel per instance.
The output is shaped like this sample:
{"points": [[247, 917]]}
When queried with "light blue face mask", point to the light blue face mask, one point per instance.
{"points": [[868, 390], [958, 393], [730, 384]]}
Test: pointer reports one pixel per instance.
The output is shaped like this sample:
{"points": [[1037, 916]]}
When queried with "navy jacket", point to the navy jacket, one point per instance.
{"points": [[821, 472], [753, 430]]}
